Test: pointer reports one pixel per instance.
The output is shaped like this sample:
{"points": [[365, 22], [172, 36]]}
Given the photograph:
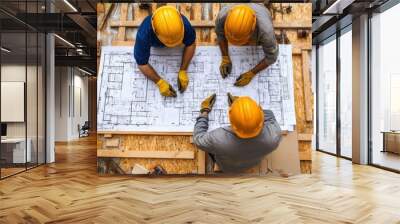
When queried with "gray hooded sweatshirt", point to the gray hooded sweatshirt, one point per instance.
{"points": [[234, 154]]}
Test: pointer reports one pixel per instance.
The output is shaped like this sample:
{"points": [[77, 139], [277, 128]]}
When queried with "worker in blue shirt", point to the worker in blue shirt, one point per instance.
{"points": [[165, 28]]}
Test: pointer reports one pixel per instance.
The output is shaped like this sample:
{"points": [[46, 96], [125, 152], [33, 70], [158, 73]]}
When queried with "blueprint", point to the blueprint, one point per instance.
{"points": [[128, 101]]}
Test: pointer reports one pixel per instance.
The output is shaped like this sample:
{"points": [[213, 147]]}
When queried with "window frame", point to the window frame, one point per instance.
{"points": [[334, 37]]}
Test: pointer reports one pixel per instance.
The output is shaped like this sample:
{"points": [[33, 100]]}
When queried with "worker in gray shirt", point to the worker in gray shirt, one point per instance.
{"points": [[245, 24], [253, 133]]}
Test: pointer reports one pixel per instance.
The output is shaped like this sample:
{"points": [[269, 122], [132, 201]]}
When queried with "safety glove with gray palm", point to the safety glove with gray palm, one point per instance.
{"points": [[208, 103], [165, 88], [231, 98], [226, 66]]}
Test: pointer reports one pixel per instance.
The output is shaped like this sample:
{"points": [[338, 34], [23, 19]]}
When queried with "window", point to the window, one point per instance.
{"points": [[22, 77], [385, 89], [335, 74], [346, 93], [327, 96]]}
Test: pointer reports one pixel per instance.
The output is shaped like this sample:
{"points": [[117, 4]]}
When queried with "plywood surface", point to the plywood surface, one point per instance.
{"points": [[202, 16]]}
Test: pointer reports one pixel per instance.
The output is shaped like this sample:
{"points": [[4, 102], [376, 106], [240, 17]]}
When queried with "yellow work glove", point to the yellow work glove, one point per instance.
{"points": [[226, 66], [165, 88], [231, 98], [244, 78], [208, 103], [183, 80]]}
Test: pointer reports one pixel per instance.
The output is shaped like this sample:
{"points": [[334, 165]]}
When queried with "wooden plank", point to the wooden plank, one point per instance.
{"points": [[122, 43], [98, 50], [214, 11], [304, 137], [306, 166], [208, 24], [100, 7], [107, 133], [308, 98], [184, 9], [292, 25], [139, 14], [145, 133], [146, 154], [201, 162], [123, 18], [305, 155], [112, 142], [105, 17]]}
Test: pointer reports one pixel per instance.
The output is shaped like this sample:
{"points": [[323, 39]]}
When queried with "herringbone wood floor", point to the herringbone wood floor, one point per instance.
{"points": [[70, 191]]}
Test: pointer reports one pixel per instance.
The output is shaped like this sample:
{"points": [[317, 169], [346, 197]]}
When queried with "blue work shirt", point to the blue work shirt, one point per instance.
{"points": [[146, 38]]}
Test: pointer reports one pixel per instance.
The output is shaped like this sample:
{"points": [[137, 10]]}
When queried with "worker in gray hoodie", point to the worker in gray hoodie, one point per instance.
{"points": [[253, 134], [243, 24]]}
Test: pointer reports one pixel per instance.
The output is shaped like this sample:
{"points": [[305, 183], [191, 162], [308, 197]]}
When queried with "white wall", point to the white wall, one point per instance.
{"points": [[71, 102], [33, 127], [62, 82], [12, 73]]}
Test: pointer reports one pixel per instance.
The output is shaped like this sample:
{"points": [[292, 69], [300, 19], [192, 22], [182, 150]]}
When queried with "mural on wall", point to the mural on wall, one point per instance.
{"points": [[177, 109]]}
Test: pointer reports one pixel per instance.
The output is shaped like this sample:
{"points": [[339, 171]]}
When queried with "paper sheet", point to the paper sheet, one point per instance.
{"points": [[128, 101]]}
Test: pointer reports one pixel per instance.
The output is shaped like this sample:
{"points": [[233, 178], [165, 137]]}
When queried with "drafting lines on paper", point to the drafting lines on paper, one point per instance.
{"points": [[128, 101]]}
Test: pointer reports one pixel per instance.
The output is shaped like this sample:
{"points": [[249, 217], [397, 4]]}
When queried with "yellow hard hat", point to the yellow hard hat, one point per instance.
{"points": [[240, 24], [246, 117], [168, 26]]}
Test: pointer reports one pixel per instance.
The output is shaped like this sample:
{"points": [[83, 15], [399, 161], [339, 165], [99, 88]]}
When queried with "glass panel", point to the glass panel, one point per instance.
{"points": [[22, 88], [327, 97], [32, 88], [13, 91], [41, 99], [13, 87], [385, 84], [31, 98], [346, 94]]}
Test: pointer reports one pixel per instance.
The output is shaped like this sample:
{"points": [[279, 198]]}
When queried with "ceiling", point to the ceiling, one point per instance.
{"points": [[74, 21], [330, 15]]}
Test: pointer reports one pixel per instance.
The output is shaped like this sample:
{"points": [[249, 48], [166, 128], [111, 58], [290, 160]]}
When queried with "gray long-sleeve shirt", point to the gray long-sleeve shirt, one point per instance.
{"points": [[263, 35], [234, 154]]}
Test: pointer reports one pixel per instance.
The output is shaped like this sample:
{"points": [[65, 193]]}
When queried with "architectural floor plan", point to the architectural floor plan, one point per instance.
{"points": [[128, 101]]}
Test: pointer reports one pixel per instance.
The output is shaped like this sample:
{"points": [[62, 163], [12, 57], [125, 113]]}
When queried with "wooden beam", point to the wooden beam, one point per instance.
{"points": [[304, 137], [210, 24], [305, 155], [308, 98], [112, 143], [107, 135], [123, 18], [122, 43], [189, 133], [145, 133], [105, 17], [201, 162], [145, 154], [292, 25]]}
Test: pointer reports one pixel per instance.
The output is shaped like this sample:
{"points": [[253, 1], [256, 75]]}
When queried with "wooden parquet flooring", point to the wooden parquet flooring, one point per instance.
{"points": [[70, 191]]}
